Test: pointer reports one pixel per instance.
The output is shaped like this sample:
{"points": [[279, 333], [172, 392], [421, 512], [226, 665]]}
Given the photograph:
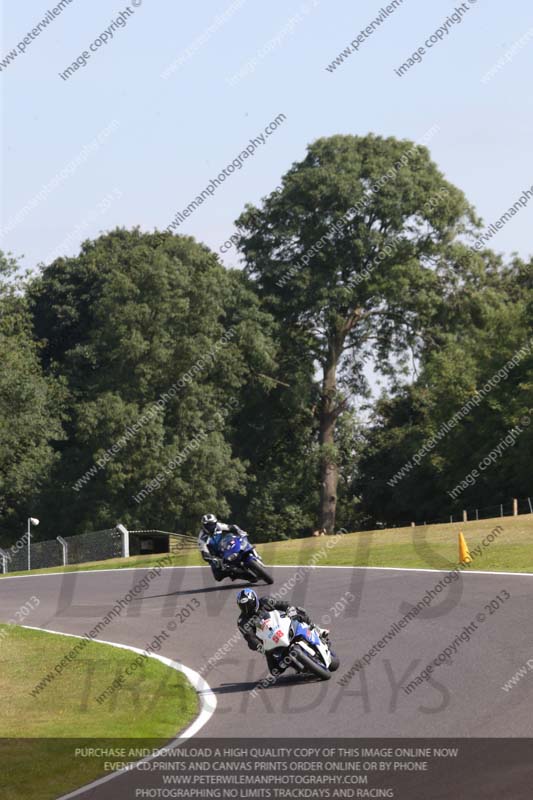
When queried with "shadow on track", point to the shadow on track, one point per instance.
{"points": [[203, 590], [280, 683]]}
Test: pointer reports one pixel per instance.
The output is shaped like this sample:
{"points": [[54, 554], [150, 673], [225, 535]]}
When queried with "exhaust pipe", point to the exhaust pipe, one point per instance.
{"points": [[298, 664]]}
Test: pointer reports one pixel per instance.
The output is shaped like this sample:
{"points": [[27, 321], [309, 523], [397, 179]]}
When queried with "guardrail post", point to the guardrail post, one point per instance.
{"points": [[515, 507], [3, 556], [465, 516], [125, 540], [64, 547]]}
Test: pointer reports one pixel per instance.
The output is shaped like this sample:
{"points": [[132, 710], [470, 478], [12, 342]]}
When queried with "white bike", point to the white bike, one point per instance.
{"points": [[297, 644]]}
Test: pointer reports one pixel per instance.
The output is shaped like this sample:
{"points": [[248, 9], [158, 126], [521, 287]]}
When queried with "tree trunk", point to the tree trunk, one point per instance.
{"points": [[328, 466]]}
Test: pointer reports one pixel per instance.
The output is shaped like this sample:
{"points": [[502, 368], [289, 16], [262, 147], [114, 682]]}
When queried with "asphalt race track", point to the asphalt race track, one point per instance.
{"points": [[464, 698]]}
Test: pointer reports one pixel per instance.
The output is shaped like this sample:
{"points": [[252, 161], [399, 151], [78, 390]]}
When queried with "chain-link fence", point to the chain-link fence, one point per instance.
{"points": [[43, 554], [97, 546], [93, 546]]}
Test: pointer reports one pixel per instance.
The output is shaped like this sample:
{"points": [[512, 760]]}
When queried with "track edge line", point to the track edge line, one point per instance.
{"points": [[206, 697]]}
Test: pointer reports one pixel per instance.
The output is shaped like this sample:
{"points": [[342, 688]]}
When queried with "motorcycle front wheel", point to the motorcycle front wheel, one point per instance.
{"points": [[259, 572], [335, 663]]}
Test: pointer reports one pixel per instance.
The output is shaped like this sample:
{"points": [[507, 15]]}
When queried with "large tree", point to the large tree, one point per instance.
{"points": [[463, 361], [355, 256], [29, 408], [275, 433], [135, 326]]}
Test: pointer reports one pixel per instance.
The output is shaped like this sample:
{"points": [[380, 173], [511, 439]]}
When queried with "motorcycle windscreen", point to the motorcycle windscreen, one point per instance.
{"points": [[229, 544], [303, 630]]}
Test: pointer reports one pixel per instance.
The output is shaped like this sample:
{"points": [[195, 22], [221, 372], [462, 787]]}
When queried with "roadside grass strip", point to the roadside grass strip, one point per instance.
{"points": [[38, 732]]}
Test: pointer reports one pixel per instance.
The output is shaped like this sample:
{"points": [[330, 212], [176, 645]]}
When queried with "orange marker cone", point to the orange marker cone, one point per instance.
{"points": [[464, 553]]}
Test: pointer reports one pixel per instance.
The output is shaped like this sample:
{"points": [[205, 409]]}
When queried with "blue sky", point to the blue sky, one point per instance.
{"points": [[175, 134]]}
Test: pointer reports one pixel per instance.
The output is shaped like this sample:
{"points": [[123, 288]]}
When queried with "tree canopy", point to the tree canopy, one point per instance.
{"points": [[30, 402], [144, 382], [148, 330], [356, 256]]}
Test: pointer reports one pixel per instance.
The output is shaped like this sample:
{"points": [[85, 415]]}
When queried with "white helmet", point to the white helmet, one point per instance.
{"points": [[209, 523]]}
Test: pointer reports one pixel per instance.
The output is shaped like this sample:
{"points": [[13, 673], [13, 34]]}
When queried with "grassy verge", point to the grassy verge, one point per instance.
{"points": [[430, 547], [39, 733]]}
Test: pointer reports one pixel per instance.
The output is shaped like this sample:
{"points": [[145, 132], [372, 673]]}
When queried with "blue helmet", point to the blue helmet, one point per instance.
{"points": [[247, 601]]}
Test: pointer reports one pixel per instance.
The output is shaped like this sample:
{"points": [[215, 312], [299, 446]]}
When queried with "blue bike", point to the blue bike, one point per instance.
{"points": [[239, 558]]}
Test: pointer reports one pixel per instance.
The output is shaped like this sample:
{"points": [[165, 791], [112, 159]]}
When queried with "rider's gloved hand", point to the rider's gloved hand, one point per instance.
{"points": [[292, 612], [235, 529]]}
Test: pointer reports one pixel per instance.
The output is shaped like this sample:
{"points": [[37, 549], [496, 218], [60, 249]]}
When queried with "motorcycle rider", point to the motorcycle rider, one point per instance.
{"points": [[208, 541], [252, 607]]}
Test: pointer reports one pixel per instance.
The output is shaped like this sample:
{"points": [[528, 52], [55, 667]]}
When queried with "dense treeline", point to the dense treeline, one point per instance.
{"points": [[142, 381]]}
